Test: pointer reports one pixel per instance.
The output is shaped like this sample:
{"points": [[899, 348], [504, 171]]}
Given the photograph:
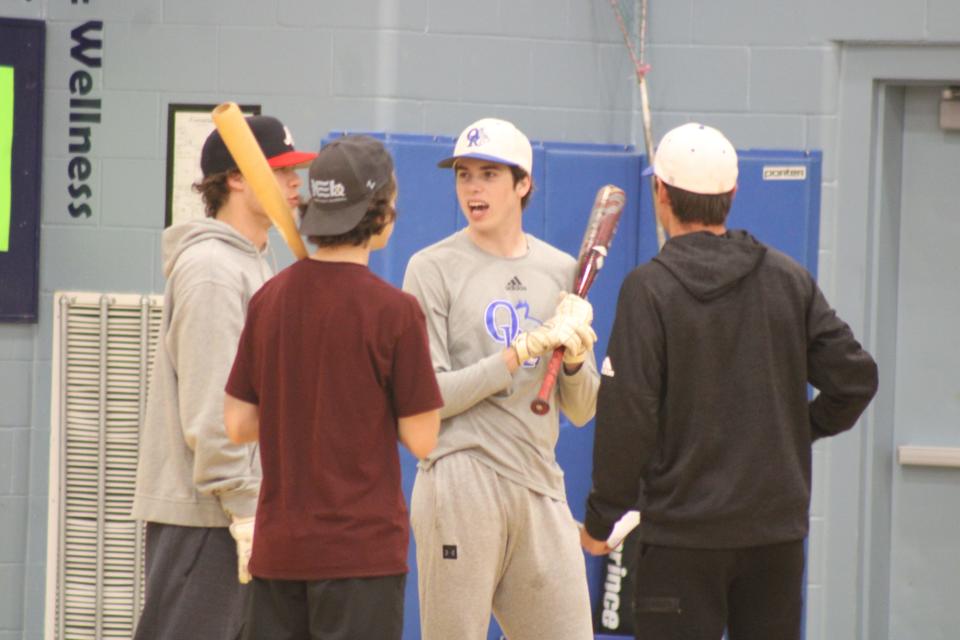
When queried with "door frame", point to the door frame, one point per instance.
{"points": [[857, 467]]}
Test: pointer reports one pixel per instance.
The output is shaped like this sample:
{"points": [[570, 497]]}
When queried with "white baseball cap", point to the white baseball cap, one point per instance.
{"points": [[496, 140], [696, 158]]}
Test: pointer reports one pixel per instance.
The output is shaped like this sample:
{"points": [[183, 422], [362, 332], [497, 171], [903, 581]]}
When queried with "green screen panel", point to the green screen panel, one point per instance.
{"points": [[6, 153]]}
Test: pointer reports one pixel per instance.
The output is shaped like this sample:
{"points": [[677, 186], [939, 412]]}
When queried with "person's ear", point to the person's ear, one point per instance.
{"points": [[662, 196], [523, 186], [235, 181]]}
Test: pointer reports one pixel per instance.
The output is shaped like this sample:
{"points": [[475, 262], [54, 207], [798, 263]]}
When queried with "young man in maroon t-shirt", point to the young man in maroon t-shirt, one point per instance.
{"points": [[333, 367]]}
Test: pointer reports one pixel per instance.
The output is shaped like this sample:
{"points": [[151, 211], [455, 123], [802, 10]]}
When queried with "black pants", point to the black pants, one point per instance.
{"points": [[344, 609], [191, 585], [692, 594]]}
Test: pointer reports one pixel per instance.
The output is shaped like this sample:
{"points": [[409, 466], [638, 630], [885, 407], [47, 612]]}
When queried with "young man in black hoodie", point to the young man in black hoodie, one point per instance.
{"points": [[704, 421]]}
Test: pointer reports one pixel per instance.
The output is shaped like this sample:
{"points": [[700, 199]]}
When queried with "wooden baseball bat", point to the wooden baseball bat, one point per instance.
{"points": [[253, 165], [602, 224]]}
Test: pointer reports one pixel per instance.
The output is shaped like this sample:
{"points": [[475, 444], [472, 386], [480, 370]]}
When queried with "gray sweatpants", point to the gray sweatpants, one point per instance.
{"points": [[486, 544]]}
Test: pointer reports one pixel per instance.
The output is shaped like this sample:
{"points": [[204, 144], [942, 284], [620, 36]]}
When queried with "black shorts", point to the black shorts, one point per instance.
{"points": [[191, 584], [341, 609]]}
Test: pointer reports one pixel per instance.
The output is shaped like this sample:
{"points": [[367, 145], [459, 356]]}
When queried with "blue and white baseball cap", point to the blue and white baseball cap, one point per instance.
{"points": [[696, 158], [495, 140]]}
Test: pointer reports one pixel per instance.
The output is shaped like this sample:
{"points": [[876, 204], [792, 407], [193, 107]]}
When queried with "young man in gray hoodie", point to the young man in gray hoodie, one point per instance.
{"points": [[194, 487]]}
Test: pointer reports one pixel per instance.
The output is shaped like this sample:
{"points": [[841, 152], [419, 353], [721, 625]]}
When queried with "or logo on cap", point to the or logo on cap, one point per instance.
{"points": [[493, 140], [476, 137], [329, 190], [371, 184], [287, 137]]}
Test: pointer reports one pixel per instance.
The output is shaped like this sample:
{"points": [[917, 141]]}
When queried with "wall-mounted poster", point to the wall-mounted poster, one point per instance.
{"points": [[188, 125], [21, 124]]}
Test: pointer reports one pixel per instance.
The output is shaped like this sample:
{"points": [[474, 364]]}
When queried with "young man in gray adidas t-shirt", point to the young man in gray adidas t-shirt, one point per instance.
{"points": [[493, 529]]}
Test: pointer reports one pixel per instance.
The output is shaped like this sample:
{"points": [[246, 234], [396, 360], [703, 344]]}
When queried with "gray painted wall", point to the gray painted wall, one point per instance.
{"points": [[771, 74]]}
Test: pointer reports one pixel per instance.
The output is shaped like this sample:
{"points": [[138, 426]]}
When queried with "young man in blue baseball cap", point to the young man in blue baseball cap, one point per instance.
{"points": [[493, 529]]}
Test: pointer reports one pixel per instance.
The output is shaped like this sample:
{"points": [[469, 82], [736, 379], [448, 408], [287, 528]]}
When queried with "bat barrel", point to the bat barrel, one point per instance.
{"points": [[601, 226], [243, 146]]}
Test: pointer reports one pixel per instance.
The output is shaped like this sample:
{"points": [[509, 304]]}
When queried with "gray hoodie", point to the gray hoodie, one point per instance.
{"points": [[189, 473]]}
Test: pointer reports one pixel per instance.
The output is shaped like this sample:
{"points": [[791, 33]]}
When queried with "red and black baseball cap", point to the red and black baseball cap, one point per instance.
{"points": [[274, 139]]}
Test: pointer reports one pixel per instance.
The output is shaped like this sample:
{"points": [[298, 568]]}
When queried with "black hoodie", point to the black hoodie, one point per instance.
{"points": [[703, 417]]}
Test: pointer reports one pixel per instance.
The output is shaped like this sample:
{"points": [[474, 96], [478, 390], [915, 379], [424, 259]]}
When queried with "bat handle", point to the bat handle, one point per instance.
{"points": [[541, 405]]}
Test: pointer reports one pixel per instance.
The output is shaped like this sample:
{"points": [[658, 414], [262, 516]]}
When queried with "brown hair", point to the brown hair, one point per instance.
{"points": [[689, 207], [518, 175], [214, 191]]}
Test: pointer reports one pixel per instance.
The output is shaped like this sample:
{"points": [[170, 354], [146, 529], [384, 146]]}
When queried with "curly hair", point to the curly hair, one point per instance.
{"points": [[214, 191]]}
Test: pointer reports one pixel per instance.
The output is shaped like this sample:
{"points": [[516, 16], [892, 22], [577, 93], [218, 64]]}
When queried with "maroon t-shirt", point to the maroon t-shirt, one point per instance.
{"points": [[332, 355]]}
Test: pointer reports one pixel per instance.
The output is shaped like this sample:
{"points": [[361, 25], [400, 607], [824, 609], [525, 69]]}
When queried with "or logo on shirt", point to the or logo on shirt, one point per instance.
{"points": [[449, 552], [504, 320], [515, 285]]}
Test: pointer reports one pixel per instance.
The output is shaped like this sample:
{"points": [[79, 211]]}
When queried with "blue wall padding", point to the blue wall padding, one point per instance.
{"points": [[783, 213]]}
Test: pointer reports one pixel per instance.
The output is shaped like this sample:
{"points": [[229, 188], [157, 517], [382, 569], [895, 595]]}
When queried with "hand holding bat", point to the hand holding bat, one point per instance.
{"points": [[601, 227]]}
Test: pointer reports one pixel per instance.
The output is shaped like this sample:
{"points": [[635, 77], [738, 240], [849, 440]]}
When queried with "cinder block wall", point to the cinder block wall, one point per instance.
{"points": [[766, 73]]}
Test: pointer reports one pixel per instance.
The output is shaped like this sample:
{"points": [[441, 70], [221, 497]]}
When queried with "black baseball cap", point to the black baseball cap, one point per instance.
{"points": [[343, 179], [274, 139]]}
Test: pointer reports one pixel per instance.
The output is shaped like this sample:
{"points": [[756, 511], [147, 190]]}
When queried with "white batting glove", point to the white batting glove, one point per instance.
{"points": [[575, 353], [576, 338], [535, 343], [572, 321], [242, 532], [574, 307]]}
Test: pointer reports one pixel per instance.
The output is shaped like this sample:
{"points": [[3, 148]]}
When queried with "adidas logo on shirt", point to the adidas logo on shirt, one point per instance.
{"points": [[515, 285]]}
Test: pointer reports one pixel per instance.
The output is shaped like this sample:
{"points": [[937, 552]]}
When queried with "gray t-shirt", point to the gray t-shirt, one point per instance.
{"points": [[475, 304]]}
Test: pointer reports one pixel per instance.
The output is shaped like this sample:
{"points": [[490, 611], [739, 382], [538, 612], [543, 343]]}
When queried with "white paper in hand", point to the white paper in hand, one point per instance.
{"points": [[627, 523]]}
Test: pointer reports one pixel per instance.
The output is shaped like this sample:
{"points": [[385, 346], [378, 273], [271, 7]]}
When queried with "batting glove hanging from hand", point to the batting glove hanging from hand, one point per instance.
{"points": [[535, 343], [242, 532]]}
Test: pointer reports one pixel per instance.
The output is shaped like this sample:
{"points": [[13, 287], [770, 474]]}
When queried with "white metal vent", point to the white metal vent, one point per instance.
{"points": [[103, 347]]}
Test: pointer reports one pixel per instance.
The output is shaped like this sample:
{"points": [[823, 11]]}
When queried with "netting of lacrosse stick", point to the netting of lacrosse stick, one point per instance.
{"points": [[634, 30]]}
